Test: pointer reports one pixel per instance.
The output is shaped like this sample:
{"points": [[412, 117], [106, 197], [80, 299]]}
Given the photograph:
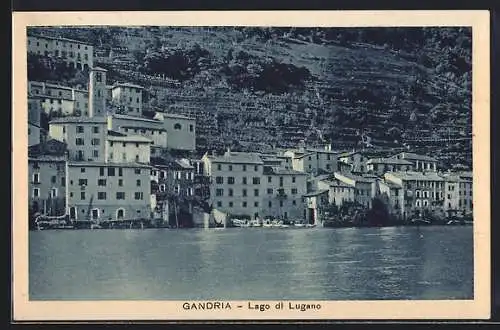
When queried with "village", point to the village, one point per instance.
{"points": [[103, 164]]}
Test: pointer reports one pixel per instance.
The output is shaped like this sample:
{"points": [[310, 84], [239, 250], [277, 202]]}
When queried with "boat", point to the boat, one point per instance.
{"points": [[310, 225], [299, 225]]}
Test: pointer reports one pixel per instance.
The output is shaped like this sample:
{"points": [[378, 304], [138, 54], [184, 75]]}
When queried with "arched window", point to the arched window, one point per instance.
{"points": [[120, 214], [177, 126]]}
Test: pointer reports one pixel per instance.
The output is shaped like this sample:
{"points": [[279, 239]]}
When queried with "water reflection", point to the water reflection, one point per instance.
{"points": [[331, 264]]}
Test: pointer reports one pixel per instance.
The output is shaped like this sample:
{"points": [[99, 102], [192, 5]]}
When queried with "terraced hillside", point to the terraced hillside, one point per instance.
{"points": [[259, 88]]}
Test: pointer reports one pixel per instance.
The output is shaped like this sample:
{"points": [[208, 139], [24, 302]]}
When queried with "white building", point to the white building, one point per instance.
{"points": [[420, 191], [420, 162], [457, 194], [148, 128], [365, 186], [75, 53], [59, 99], [128, 97], [338, 192], [127, 148], [380, 166], [313, 161], [316, 202], [236, 186], [181, 131], [107, 191], [283, 192], [85, 137]]}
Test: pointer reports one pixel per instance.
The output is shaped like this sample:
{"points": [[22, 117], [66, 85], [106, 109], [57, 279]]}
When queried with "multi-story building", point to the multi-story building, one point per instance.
{"points": [[313, 161], [98, 92], [175, 193], [392, 194], [457, 194], [128, 98], [420, 162], [236, 186], [356, 159], [85, 137], [127, 148], [148, 128], [379, 166], [315, 203], [365, 186], [282, 193], [181, 131], [420, 191], [74, 53], [60, 99], [338, 193], [108, 191], [47, 173]]}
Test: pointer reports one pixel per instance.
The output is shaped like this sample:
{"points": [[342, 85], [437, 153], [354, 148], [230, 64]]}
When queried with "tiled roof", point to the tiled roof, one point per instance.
{"points": [[128, 138], [127, 85], [391, 161], [108, 164], [356, 177], [62, 39], [316, 193], [413, 156], [411, 175], [268, 170], [90, 120], [237, 159], [47, 158]]}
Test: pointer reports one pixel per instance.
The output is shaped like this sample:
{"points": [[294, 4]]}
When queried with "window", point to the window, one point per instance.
{"points": [[256, 192], [219, 192], [256, 180], [101, 195], [79, 129], [219, 204], [137, 158], [36, 192], [120, 195], [53, 179], [137, 171], [120, 182], [219, 180], [256, 168], [101, 171], [281, 203], [270, 204], [294, 202], [230, 167], [120, 172], [111, 171], [79, 142], [138, 195], [63, 181], [244, 180], [138, 183], [98, 77], [101, 182], [230, 180], [82, 182], [219, 167], [294, 191], [82, 195], [244, 168], [244, 192], [230, 204], [256, 204], [96, 142], [269, 191], [191, 127], [95, 153], [177, 126], [281, 181], [137, 145], [244, 204], [230, 192], [293, 179]]}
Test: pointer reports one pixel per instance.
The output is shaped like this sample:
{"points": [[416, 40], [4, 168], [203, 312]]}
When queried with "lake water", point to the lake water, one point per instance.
{"points": [[252, 263]]}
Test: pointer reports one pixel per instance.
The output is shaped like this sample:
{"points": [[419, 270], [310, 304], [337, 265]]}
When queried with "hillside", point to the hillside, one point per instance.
{"points": [[256, 88]]}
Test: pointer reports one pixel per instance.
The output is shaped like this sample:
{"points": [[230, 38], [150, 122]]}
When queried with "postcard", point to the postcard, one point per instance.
{"points": [[284, 165]]}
